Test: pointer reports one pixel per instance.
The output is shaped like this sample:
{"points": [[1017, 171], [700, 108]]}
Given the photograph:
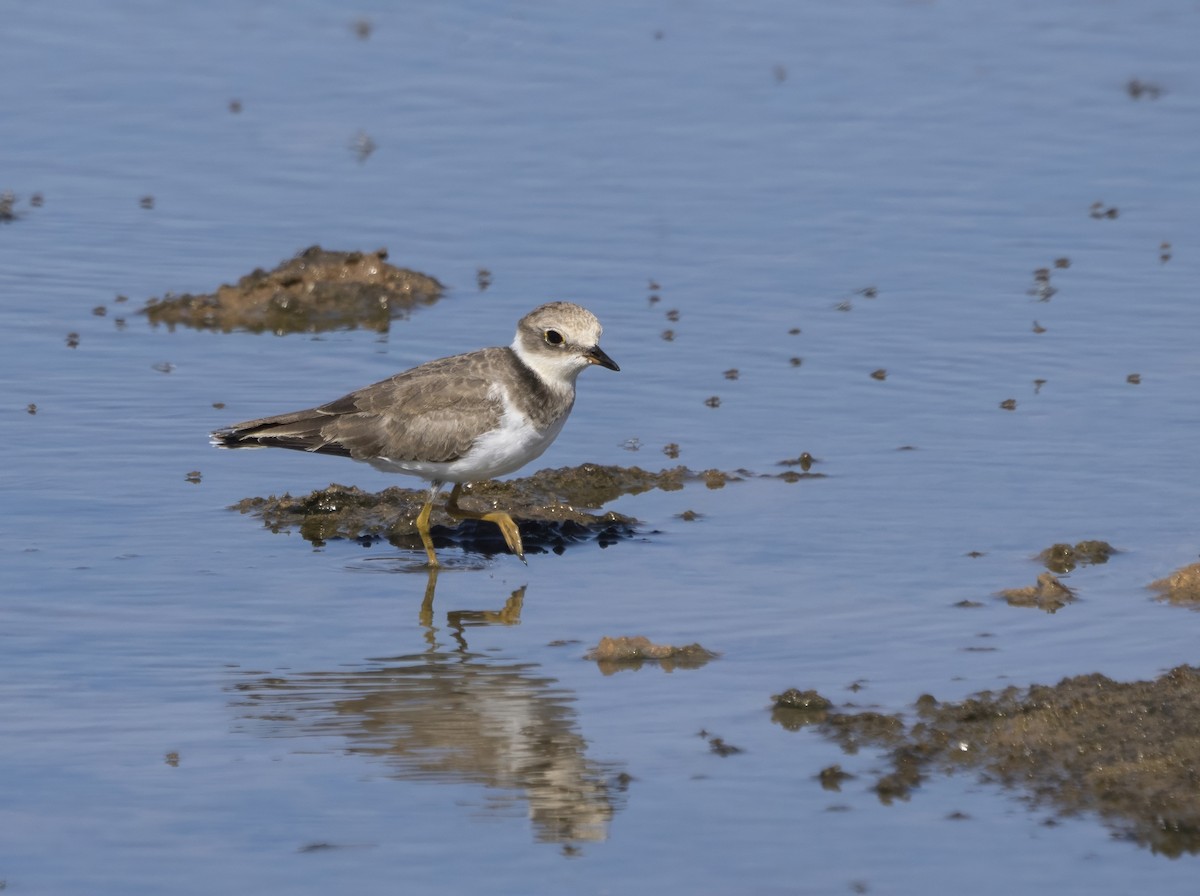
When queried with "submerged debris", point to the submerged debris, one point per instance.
{"points": [[313, 292], [1129, 752], [719, 745], [1182, 587], [614, 654], [1048, 594]]}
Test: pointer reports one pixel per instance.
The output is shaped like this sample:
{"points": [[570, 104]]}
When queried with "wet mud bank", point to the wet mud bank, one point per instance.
{"points": [[1181, 587], [553, 508], [313, 292], [1128, 752]]}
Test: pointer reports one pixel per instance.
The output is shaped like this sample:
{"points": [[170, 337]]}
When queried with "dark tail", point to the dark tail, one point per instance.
{"points": [[298, 431]]}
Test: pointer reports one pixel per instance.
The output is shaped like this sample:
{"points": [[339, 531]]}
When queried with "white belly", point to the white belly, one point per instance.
{"points": [[513, 444]]}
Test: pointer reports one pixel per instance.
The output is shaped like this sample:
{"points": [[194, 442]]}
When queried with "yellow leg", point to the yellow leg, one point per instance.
{"points": [[423, 531], [512, 535], [425, 617]]}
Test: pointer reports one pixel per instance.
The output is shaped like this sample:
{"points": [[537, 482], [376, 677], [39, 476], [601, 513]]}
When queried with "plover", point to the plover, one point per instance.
{"points": [[460, 419]]}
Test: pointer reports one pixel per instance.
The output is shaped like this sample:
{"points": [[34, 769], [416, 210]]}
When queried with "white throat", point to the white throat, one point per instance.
{"points": [[556, 370]]}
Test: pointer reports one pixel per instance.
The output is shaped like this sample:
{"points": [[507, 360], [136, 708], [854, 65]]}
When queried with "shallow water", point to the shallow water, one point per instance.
{"points": [[193, 703]]}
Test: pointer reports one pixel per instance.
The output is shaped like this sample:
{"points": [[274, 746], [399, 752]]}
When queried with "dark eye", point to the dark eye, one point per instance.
{"points": [[553, 337]]}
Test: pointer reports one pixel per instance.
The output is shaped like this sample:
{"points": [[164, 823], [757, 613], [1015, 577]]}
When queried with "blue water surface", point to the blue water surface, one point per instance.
{"points": [[193, 703]]}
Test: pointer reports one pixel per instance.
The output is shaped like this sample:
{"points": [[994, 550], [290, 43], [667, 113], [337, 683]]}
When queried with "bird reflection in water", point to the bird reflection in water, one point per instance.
{"points": [[451, 715]]}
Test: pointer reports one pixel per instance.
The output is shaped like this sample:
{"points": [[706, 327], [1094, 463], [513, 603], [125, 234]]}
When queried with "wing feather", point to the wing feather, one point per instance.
{"points": [[432, 413]]}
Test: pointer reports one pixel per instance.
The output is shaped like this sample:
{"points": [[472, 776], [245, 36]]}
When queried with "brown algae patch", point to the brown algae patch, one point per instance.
{"points": [[614, 654], [1062, 558], [553, 508], [1048, 594], [315, 291], [1182, 587], [1127, 752]]}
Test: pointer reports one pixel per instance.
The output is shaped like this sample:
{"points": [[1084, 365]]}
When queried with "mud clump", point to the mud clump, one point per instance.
{"points": [[553, 509], [1181, 587], [1048, 594], [316, 291], [1126, 752], [615, 654], [794, 709], [1063, 558], [833, 777]]}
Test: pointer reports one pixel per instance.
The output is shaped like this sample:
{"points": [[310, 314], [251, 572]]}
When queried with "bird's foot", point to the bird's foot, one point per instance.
{"points": [[508, 528], [512, 535]]}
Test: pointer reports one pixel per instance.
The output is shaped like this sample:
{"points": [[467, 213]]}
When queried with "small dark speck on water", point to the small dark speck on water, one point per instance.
{"points": [[1138, 89], [362, 145], [316, 847]]}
